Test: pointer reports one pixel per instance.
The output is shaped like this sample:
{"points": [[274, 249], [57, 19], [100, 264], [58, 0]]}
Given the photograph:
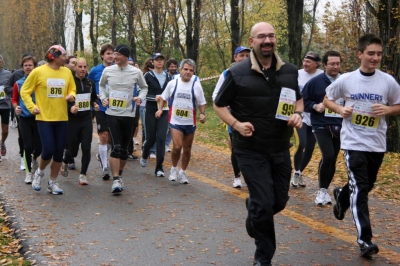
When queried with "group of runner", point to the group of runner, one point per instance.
{"points": [[55, 103]]}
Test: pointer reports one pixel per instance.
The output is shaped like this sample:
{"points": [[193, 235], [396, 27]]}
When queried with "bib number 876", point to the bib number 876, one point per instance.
{"points": [[56, 90]]}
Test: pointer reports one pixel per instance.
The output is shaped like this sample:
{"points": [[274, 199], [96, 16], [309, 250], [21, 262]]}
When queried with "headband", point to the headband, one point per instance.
{"points": [[316, 59]]}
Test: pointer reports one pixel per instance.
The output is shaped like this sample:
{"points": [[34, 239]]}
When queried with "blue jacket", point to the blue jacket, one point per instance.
{"points": [[314, 93], [24, 111], [95, 75]]}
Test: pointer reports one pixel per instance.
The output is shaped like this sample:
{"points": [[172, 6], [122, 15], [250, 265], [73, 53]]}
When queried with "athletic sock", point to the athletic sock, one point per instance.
{"points": [[103, 155], [40, 172], [120, 172]]}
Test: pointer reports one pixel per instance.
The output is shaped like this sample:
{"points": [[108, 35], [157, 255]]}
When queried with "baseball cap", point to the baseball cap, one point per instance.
{"points": [[241, 49], [154, 56]]}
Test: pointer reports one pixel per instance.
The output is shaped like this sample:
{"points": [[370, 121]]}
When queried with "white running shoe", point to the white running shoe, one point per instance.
{"points": [[28, 178], [160, 173], [173, 174], [152, 155], [301, 181], [328, 199], [53, 188], [37, 181], [22, 166], [295, 180], [167, 149], [321, 197], [135, 141], [143, 162], [183, 177], [237, 182], [117, 186], [83, 180], [106, 174]]}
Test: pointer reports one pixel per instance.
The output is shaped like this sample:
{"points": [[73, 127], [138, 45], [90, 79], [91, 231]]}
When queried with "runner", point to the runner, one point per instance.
{"points": [[370, 95], [121, 79], [155, 127], [183, 94], [32, 145], [106, 54], [80, 126], [305, 138], [5, 105], [53, 86], [241, 53]]}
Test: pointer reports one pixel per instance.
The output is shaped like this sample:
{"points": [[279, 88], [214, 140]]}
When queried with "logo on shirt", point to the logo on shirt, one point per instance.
{"points": [[183, 95], [366, 96]]}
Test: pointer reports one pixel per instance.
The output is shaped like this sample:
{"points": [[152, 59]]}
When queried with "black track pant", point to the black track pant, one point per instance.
{"points": [[121, 130], [80, 131], [31, 139]]}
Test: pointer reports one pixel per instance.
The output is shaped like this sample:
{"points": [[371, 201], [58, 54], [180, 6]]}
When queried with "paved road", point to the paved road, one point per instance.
{"points": [[158, 222]]}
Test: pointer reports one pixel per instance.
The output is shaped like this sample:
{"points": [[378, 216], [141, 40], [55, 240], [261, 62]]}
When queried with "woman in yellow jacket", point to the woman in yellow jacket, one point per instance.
{"points": [[53, 85]]}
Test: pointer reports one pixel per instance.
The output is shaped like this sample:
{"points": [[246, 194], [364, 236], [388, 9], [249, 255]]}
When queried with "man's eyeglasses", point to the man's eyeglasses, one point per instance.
{"points": [[262, 37]]}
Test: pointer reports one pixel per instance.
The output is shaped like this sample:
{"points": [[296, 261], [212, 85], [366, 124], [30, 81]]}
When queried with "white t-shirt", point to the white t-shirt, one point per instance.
{"points": [[362, 131], [303, 78], [182, 111]]}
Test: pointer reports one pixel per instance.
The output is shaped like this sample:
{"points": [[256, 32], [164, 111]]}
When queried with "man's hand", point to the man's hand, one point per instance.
{"points": [[96, 106], [202, 118], [245, 129], [18, 110], [74, 109], [70, 98], [105, 102], [320, 108], [136, 100], [295, 121], [159, 113], [36, 110], [346, 111], [380, 109]]}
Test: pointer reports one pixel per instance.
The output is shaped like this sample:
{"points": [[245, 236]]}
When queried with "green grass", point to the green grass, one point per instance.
{"points": [[212, 131]]}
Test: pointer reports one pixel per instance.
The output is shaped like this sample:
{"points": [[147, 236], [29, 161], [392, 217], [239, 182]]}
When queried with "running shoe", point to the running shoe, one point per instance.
{"points": [[320, 199], [1, 159], [117, 186], [53, 188], [28, 178], [237, 182], [106, 174], [337, 209], [160, 173], [3, 149], [167, 149], [71, 166], [183, 177], [301, 181], [37, 181], [295, 180], [83, 180], [135, 141], [328, 199], [132, 157], [143, 162], [173, 174], [22, 166], [64, 169], [367, 250], [152, 155]]}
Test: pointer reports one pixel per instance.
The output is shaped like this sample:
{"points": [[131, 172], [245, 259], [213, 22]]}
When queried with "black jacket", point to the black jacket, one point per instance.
{"points": [[83, 86], [256, 100], [154, 88]]}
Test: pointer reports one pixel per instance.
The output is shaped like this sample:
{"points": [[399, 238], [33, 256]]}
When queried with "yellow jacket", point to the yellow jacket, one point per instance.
{"points": [[50, 87]]}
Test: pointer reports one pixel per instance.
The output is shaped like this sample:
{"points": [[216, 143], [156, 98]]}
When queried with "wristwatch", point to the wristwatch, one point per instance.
{"points": [[299, 113]]}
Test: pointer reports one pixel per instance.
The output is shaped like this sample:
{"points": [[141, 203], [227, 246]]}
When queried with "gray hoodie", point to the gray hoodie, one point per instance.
{"points": [[5, 102]]}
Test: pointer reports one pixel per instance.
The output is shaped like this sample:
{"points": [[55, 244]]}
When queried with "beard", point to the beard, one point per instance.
{"points": [[267, 54]]}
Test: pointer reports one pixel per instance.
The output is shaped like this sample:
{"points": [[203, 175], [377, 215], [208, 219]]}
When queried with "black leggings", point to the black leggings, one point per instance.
{"points": [[305, 147], [121, 130], [20, 141], [31, 139], [156, 132], [79, 132], [235, 165]]}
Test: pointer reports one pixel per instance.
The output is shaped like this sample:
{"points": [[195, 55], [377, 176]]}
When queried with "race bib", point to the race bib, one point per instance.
{"points": [[83, 101], [2, 93], [118, 100], [165, 106], [55, 88], [330, 113], [286, 105], [182, 113], [363, 117]]}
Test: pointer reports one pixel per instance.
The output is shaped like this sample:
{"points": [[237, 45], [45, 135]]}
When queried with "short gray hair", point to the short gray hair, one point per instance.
{"points": [[190, 62]]}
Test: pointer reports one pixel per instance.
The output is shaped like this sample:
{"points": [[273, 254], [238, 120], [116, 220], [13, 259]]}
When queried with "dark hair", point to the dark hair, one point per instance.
{"points": [[172, 61], [366, 40], [147, 64], [330, 53], [70, 57], [104, 48], [28, 58]]}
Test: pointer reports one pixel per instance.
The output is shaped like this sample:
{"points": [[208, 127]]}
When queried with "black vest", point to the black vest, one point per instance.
{"points": [[257, 101]]}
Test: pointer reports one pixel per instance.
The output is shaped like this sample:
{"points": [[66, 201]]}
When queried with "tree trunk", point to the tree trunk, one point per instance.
{"points": [[193, 29], [131, 27], [235, 26], [312, 24], [114, 24], [93, 35], [295, 29]]}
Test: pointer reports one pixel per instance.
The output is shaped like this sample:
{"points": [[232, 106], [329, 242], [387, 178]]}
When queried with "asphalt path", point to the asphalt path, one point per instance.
{"points": [[158, 222]]}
